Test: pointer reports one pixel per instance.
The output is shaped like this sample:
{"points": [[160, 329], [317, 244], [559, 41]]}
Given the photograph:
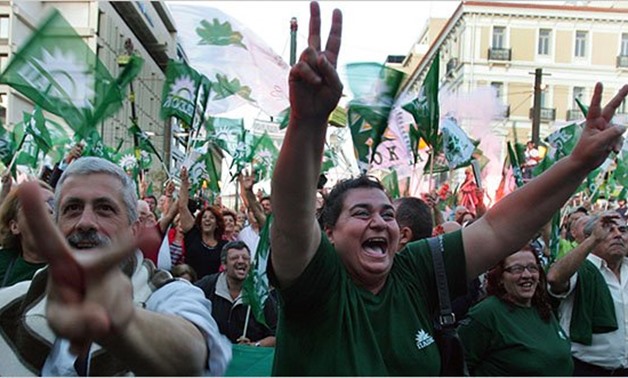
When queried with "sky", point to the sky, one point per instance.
{"points": [[372, 30]]}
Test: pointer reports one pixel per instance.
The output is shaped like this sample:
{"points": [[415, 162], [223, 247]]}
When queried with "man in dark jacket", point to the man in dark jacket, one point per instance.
{"points": [[224, 290]]}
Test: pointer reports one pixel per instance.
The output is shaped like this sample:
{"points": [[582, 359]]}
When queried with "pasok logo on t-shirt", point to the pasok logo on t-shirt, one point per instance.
{"points": [[423, 339]]}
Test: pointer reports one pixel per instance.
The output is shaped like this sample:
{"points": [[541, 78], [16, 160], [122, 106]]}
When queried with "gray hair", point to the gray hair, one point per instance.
{"points": [[590, 225], [94, 165]]}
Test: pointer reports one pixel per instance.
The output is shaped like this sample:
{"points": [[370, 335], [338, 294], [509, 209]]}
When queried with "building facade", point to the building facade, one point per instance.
{"points": [[501, 45], [111, 29]]}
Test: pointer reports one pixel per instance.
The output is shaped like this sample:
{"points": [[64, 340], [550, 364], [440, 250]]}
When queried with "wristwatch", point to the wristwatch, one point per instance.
{"points": [[258, 344]]}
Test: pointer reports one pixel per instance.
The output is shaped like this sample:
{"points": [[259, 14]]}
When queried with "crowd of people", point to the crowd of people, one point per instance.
{"points": [[154, 286]]}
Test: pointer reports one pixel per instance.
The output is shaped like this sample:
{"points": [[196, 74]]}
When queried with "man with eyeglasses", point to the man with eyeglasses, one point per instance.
{"points": [[591, 282]]}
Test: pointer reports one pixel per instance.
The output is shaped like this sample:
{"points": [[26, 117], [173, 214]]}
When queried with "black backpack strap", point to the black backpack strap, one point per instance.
{"points": [[446, 317]]}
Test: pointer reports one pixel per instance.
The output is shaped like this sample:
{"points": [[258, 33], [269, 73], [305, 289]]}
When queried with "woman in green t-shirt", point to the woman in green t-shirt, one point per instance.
{"points": [[19, 259], [514, 331]]}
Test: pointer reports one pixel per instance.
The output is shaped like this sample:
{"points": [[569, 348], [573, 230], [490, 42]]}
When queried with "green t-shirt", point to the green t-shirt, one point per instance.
{"points": [[504, 340], [14, 269], [329, 326], [564, 247]]}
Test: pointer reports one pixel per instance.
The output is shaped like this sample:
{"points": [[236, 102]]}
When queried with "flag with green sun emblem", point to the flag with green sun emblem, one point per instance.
{"points": [[225, 132], [35, 124], [180, 92], [58, 71], [242, 68], [263, 157], [457, 145], [7, 145]]}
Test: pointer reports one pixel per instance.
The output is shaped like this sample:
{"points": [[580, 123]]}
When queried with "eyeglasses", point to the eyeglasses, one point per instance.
{"points": [[518, 269]]}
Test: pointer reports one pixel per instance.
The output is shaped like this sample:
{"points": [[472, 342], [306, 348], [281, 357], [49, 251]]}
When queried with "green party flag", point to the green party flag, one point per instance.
{"points": [[7, 146], [514, 163], [226, 133], [562, 143], [200, 106], [361, 137], [35, 125], [263, 156], [283, 118], [58, 71], [143, 140], [583, 108], [564, 140], [391, 184], [212, 167], [554, 242], [330, 160], [457, 145], [27, 152], [425, 108], [180, 92], [337, 118], [374, 87], [621, 171], [242, 153], [256, 287], [623, 194], [95, 146]]}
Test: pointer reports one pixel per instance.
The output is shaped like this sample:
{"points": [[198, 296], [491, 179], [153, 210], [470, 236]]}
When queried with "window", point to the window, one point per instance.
{"points": [[4, 27], [543, 98], [4, 59], [499, 35], [499, 89], [580, 50], [544, 42], [624, 44]]}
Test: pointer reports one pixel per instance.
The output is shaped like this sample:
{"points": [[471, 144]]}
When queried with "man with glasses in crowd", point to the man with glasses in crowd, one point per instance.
{"points": [[591, 282]]}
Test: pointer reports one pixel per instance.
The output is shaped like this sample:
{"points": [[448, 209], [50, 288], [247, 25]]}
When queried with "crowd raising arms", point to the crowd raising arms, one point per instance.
{"points": [[315, 90]]}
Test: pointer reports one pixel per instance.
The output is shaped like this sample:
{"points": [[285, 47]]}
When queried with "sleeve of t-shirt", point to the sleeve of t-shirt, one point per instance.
{"points": [[572, 285], [417, 258], [191, 235], [182, 299], [320, 279], [476, 337]]}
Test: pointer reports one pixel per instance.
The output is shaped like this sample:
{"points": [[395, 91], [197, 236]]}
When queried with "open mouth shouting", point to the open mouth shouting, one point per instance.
{"points": [[377, 246]]}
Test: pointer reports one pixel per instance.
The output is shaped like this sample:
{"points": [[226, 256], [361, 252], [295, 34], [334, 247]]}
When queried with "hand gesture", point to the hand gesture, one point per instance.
{"points": [[247, 180], [315, 87], [143, 186], [169, 190], [89, 298], [431, 199], [75, 152], [185, 181], [603, 226], [7, 180], [600, 136]]}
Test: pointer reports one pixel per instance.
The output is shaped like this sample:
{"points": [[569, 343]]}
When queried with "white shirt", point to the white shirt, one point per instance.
{"points": [[607, 350], [251, 238], [176, 298]]}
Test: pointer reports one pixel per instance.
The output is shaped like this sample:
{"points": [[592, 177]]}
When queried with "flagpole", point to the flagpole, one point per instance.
{"points": [[246, 321], [17, 152]]}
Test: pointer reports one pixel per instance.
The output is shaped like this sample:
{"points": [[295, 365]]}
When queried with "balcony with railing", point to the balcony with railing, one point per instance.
{"points": [[500, 54], [504, 112], [574, 114], [547, 114], [622, 61]]}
